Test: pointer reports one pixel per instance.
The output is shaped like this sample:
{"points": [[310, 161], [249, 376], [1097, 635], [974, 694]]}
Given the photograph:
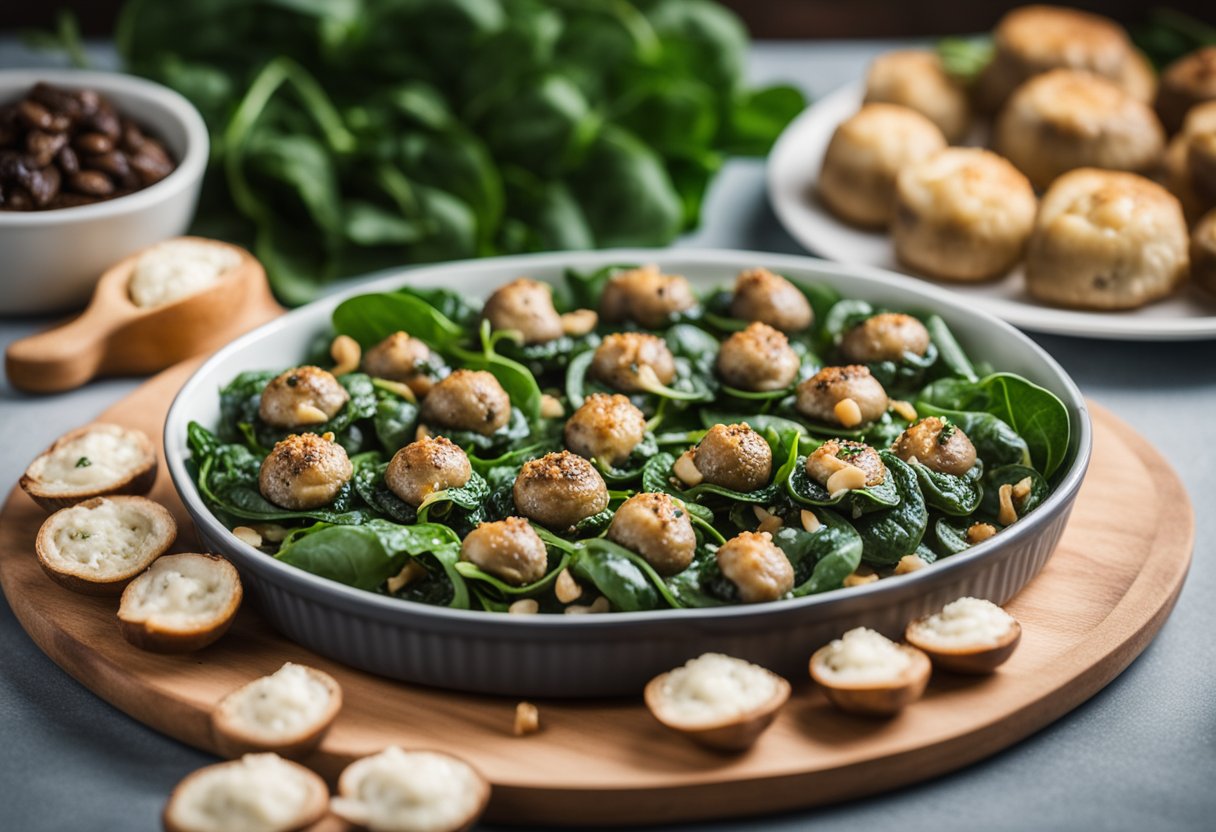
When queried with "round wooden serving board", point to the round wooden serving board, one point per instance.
{"points": [[1096, 605]]}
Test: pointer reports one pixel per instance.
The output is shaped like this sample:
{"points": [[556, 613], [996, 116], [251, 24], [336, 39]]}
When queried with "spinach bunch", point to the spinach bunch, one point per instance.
{"points": [[361, 134]]}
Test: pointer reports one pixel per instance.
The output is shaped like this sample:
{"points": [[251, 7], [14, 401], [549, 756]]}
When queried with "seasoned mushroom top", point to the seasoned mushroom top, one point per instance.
{"points": [[761, 295], [937, 444], [657, 529], [526, 306], [735, 457], [304, 471], [756, 566], [758, 358], [836, 456], [402, 358], [885, 337], [625, 359], [302, 396], [559, 489], [647, 296], [468, 400], [433, 463], [509, 549], [823, 396], [606, 427]]}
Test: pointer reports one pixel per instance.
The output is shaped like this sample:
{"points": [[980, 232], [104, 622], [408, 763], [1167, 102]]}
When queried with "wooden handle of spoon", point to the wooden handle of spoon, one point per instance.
{"points": [[59, 359]]}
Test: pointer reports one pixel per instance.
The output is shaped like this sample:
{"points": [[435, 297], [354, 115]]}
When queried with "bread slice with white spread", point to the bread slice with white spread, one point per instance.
{"points": [[97, 547], [258, 791], [181, 603], [94, 461], [288, 712]]}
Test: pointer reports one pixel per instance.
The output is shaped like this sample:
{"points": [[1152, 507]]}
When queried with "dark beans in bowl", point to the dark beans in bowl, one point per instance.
{"points": [[60, 148]]}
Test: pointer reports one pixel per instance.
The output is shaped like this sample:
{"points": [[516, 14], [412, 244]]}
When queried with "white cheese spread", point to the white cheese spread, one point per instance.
{"points": [[964, 623], [102, 456], [257, 793], [182, 591], [177, 269], [409, 791], [101, 541], [863, 656], [286, 702], [713, 688]]}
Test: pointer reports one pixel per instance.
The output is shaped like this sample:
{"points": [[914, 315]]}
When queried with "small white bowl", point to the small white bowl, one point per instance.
{"points": [[52, 259]]}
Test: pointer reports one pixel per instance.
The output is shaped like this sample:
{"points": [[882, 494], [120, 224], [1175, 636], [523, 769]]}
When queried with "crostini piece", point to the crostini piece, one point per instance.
{"points": [[260, 792], [288, 712], [97, 547], [863, 672], [717, 701], [1106, 240], [181, 603], [410, 791], [93, 461], [969, 635]]}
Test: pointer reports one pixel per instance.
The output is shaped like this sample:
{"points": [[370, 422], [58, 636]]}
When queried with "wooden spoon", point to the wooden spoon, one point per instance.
{"points": [[114, 337]]}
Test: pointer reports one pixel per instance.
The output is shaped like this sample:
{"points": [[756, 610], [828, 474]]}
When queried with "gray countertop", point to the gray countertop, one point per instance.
{"points": [[1139, 755]]}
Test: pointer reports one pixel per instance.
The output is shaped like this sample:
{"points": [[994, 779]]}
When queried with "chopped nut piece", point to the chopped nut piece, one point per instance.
{"points": [[768, 522], [846, 479], [979, 532], [686, 469], [1021, 490], [399, 388], [810, 521], [1007, 515], [409, 573], [909, 563], [310, 414], [346, 353], [579, 322], [566, 588], [527, 719], [551, 407], [524, 606], [860, 578], [904, 410], [422, 432], [272, 532], [848, 413], [599, 605], [248, 535]]}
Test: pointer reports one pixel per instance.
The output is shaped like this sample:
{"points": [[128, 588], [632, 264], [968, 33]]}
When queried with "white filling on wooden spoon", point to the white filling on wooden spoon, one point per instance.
{"points": [[178, 268]]}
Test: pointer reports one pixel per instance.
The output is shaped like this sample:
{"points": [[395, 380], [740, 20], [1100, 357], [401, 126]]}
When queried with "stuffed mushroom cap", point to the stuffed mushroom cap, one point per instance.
{"points": [[866, 154], [1031, 40], [621, 356], [304, 471], [760, 295], [647, 296], [756, 566], [658, 529], [757, 359], [735, 457], [401, 358], [1187, 82], [1106, 240], [430, 464], [606, 427], [964, 214], [300, 397], [509, 549], [818, 396], [887, 336], [525, 306], [468, 400], [1066, 119], [915, 78], [938, 445], [559, 489], [1203, 252], [1199, 134], [835, 454]]}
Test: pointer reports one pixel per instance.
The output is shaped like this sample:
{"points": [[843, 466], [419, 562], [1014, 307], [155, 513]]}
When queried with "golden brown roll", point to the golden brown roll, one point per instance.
{"points": [[1035, 39], [964, 214], [1178, 181], [1106, 240], [1067, 119], [914, 78], [1203, 252], [1188, 81], [866, 153]]}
